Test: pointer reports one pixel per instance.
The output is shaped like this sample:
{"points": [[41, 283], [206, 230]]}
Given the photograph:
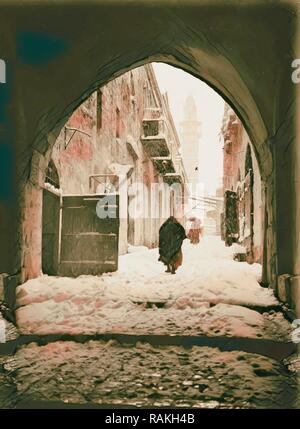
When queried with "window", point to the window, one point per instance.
{"points": [[149, 100], [99, 108], [2, 71], [52, 175], [132, 84], [248, 161], [118, 123]]}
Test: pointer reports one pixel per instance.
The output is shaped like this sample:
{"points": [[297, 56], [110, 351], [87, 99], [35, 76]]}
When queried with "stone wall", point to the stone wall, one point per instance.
{"points": [[236, 145], [40, 97], [103, 137]]}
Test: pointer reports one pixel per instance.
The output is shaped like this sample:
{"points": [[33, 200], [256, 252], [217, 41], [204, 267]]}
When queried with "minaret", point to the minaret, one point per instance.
{"points": [[190, 135]]}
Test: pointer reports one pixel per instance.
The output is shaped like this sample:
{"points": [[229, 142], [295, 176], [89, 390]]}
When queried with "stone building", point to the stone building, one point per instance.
{"points": [[243, 204], [120, 143]]}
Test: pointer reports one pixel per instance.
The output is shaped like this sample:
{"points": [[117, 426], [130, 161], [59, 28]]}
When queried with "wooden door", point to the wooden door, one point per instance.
{"points": [[88, 243]]}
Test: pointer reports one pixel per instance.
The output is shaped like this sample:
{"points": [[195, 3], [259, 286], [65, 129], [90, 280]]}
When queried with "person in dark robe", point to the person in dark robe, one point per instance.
{"points": [[171, 236]]}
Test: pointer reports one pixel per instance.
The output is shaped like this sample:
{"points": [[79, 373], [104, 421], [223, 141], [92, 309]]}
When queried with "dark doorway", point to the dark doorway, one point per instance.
{"points": [[50, 232], [249, 203], [130, 225]]}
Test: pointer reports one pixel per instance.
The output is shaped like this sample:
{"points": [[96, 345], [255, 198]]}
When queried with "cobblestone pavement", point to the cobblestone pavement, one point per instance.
{"points": [[8, 391], [99, 372]]}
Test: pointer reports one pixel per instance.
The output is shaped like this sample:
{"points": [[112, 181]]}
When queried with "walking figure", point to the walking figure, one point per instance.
{"points": [[171, 236]]}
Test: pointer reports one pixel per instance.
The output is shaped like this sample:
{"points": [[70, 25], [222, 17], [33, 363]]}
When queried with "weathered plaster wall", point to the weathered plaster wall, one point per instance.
{"points": [[102, 149], [75, 155], [97, 140]]}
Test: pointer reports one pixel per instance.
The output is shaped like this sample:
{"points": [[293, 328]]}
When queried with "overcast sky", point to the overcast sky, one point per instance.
{"points": [[179, 86]]}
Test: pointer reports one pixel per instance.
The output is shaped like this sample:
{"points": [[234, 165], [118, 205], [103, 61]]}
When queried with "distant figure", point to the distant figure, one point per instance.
{"points": [[195, 230], [171, 236]]}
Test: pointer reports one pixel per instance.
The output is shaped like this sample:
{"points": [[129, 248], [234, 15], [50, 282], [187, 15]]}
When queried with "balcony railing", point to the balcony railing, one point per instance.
{"points": [[151, 113], [171, 178], [157, 141], [163, 164], [104, 183], [179, 176]]}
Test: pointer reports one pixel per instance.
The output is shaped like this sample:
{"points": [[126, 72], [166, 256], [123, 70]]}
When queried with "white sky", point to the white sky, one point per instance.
{"points": [[179, 85]]}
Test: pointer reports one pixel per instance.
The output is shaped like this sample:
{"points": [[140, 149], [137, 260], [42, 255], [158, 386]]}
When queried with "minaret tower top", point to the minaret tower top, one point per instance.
{"points": [[190, 109]]}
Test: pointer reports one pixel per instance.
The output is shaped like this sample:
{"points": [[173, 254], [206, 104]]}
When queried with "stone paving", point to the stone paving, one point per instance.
{"points": [[141, 375], [205, 344]]}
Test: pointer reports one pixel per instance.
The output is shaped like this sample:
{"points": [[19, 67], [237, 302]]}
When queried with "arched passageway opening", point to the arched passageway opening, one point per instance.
{"points": [[229, 48], [50, 222], [73, 131], [227, 67], [90, 157], [123, 136], [119, 155]]}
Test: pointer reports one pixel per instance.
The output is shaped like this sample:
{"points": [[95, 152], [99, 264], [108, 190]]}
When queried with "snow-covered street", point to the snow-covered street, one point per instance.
{"points": [[208, 274], [211, 294], [132, 337]]}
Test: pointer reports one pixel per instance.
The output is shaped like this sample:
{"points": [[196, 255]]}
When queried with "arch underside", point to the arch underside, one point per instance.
{"points": [[234, 49], [228, 47]]}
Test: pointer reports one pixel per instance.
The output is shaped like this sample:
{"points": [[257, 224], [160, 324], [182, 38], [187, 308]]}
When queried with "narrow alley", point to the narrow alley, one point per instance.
{"points": [[149, 209], [209, 336]]}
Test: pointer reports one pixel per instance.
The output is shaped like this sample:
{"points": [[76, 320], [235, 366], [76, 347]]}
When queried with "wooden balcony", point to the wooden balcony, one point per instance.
{"points": [[171, 178], [155, 133], [162, 151]]}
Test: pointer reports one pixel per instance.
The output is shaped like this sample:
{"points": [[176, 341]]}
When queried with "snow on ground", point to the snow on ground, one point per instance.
{"points": [[128, 318], [115, 302]]}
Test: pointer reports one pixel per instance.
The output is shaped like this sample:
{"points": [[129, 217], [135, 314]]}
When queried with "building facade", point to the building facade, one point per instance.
{"points": [[120, 142], [243, 204]]}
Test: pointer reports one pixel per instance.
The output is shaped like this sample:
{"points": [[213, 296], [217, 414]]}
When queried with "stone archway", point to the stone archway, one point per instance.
{"points": [[41, 161], [227, 46]]}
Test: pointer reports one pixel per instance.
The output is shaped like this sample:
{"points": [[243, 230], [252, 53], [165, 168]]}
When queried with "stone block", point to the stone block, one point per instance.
{"points": [[240, 257], [10, 285], [283, 288], [295, 294], [2, 281]]}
